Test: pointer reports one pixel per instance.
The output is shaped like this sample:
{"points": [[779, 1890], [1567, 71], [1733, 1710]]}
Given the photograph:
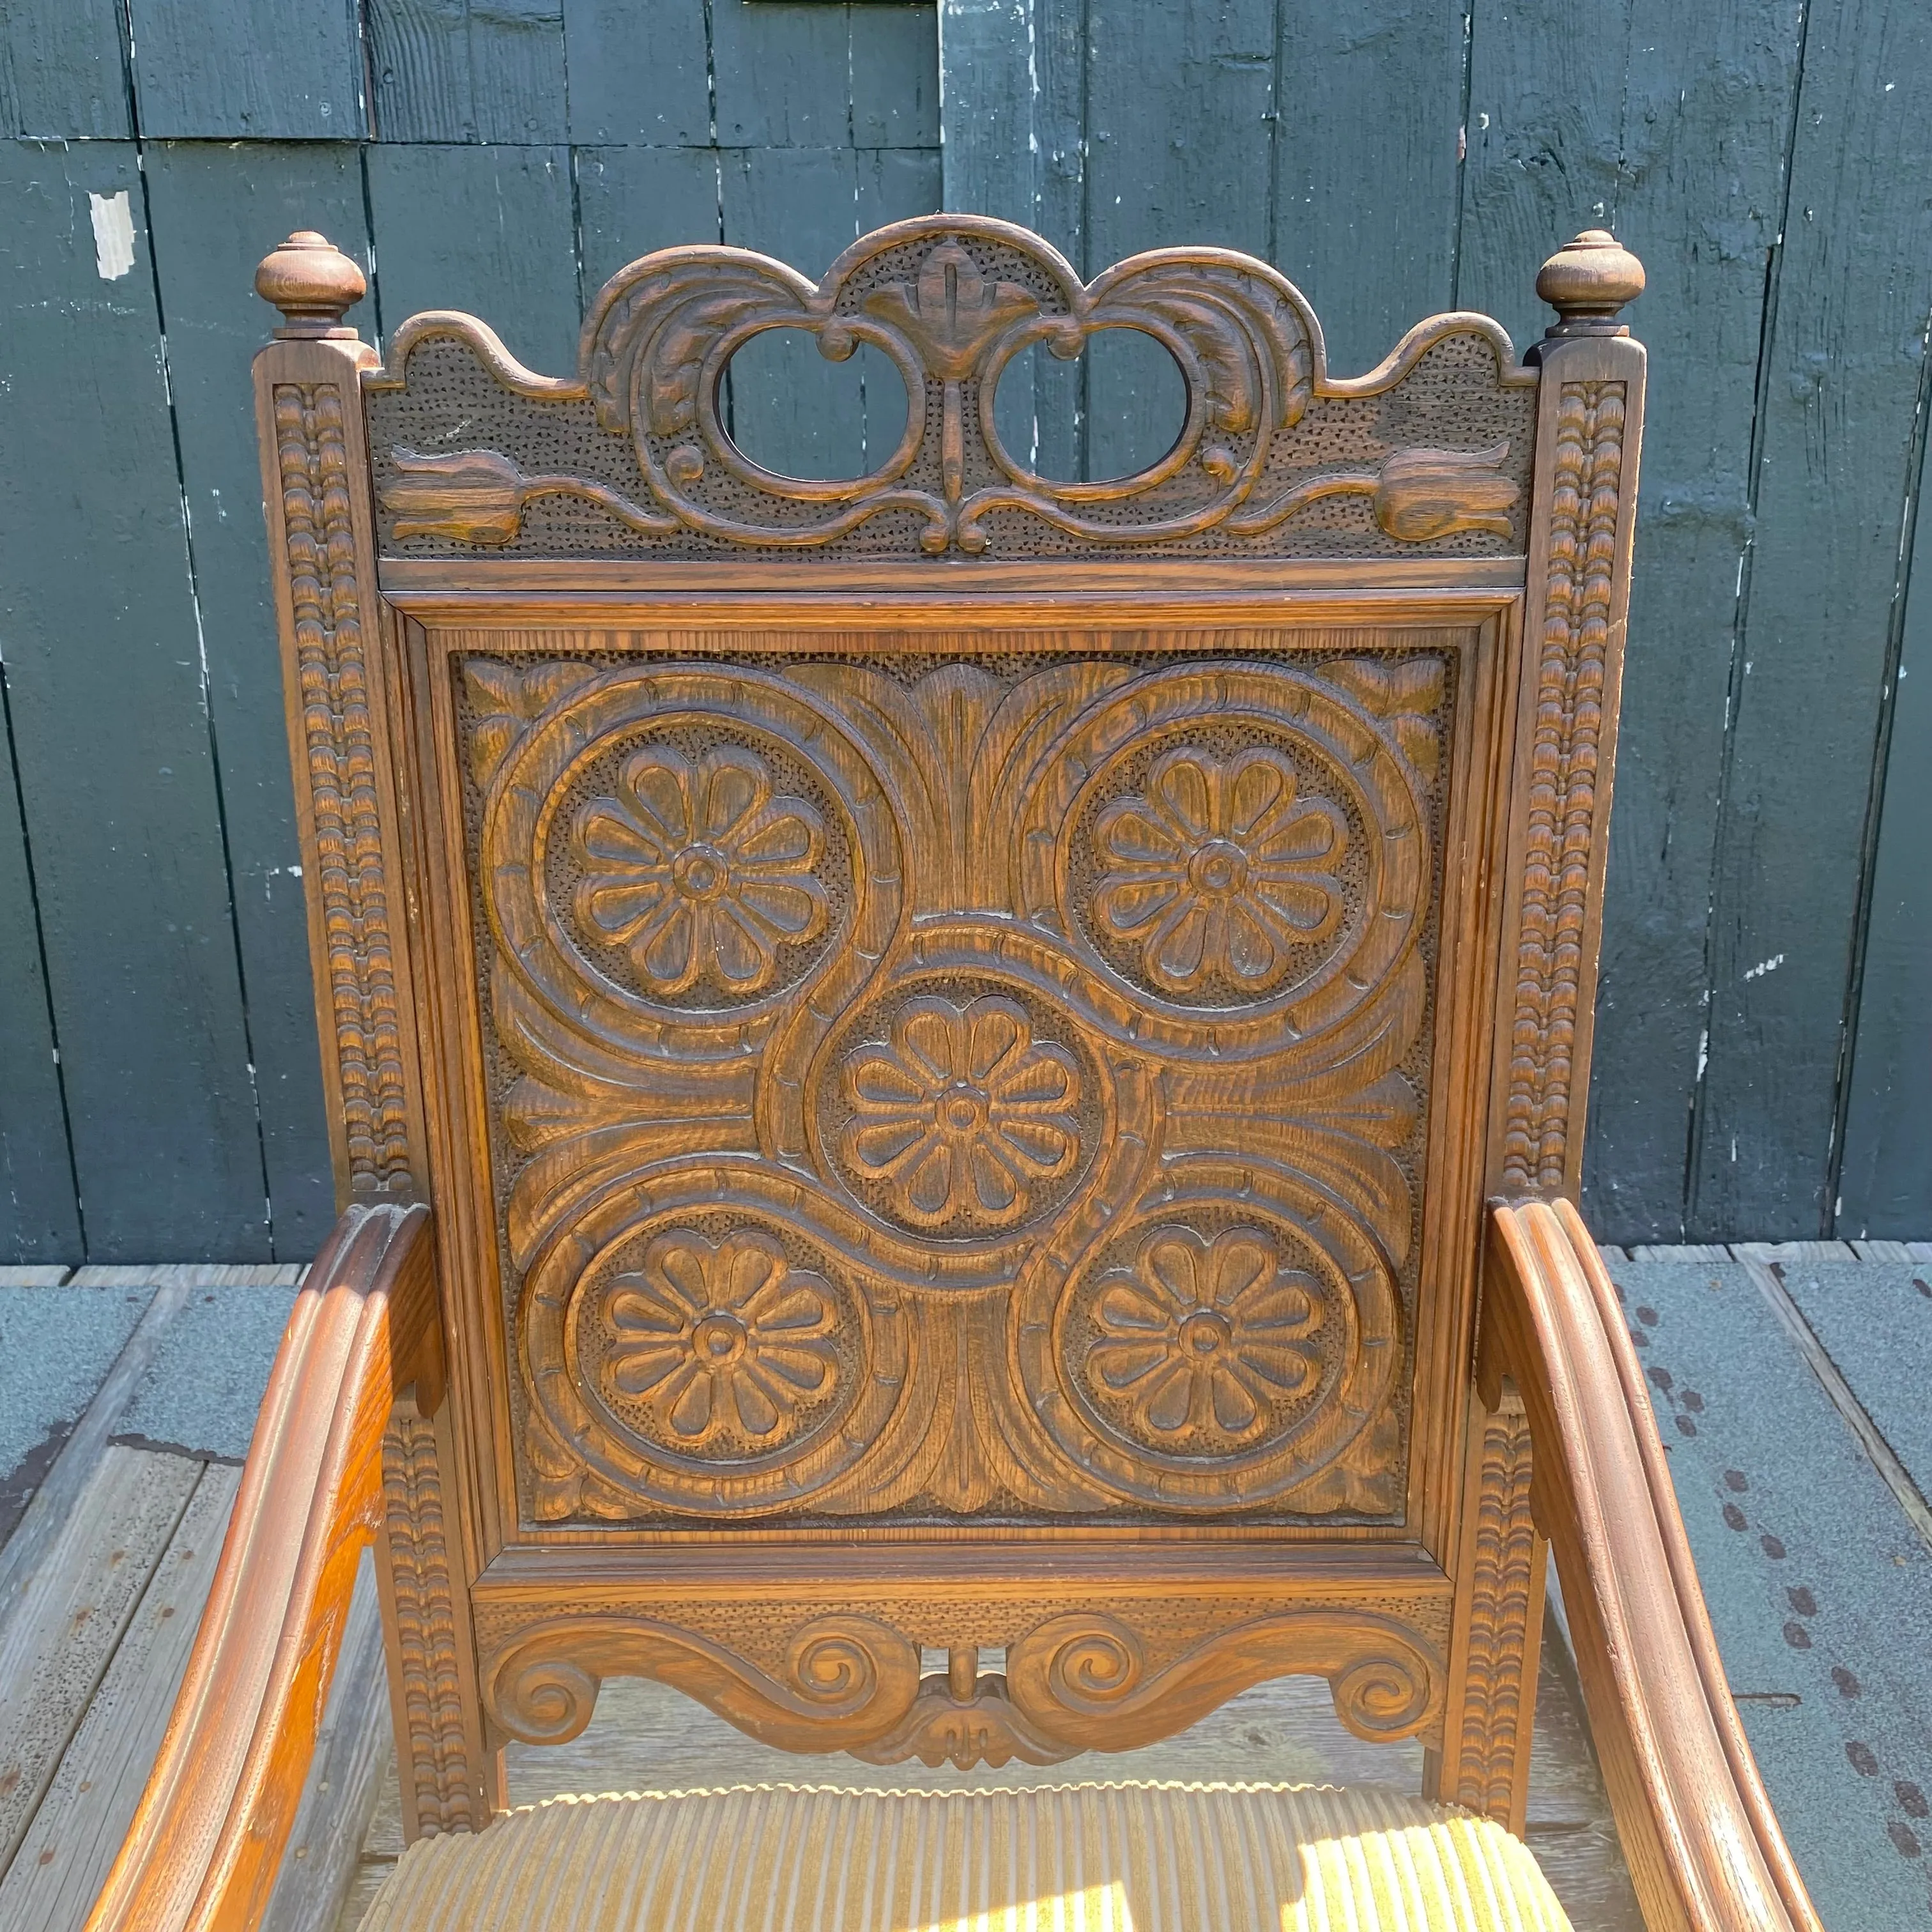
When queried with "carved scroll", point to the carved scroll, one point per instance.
{"points": [[1580, 602], [333, 672], [1076, 1680], [633, 456], [1493, 1700], [432, 1750], [964, 1718]]}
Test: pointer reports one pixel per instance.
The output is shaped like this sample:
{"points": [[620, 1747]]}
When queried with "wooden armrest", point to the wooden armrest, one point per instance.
{"points": [[1698, 1831], [208, 1836]]}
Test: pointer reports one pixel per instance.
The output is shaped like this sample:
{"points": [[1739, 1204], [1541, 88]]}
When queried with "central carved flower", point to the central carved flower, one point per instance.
{"points": [[1203, 1339], [1219, 870], [698, 872], [720, 1338], [962, 1112]]}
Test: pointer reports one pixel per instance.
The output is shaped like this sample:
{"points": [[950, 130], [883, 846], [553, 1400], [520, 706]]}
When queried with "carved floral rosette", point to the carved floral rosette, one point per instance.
{"points": [[633, 455], [988, 1090]]}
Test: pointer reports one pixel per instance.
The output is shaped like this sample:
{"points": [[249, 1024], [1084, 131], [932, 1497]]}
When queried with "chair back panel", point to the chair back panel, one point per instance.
{"points": [[951, 1019]]}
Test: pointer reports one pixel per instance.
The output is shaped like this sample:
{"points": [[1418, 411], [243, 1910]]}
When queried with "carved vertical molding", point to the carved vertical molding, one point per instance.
{"points": [[436, 1763], [1497, 1640], [1579, 594], [333, 680]]}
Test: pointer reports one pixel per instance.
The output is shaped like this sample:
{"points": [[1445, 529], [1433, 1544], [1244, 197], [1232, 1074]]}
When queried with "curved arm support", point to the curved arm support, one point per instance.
{"points": [[1703, 1846], [206, 1841]]}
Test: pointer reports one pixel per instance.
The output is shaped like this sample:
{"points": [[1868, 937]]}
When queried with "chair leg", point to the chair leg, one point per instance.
{"points": [[1497, 1640], [444, 1772]]}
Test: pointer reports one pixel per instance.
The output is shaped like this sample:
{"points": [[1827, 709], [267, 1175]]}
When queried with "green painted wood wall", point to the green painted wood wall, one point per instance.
{"points": [[1764, 1048]]}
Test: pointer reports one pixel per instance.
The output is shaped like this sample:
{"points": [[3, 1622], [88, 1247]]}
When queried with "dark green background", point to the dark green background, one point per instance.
{"points": [[1764, 1057]]}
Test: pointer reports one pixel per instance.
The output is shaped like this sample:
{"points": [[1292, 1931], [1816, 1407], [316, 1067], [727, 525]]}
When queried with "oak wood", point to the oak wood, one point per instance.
{"points": [[204, 1845], [351, 1758], [1703, 1846]]}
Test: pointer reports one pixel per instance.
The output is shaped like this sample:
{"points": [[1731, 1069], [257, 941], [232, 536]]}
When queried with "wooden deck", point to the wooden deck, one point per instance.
{"points": [[1789, 1383]]}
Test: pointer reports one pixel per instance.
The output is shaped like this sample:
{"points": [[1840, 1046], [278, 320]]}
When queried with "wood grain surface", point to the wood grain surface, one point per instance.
{"points": [[207, 1838]]}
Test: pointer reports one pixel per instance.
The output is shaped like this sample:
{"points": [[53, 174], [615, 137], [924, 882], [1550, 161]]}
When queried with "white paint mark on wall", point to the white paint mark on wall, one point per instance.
{"points": [[1764, 966], [113, 234]]}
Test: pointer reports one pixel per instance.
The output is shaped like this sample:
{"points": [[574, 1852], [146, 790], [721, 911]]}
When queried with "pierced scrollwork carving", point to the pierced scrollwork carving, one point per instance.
{"points": [[951, 302], [984, 1726]]}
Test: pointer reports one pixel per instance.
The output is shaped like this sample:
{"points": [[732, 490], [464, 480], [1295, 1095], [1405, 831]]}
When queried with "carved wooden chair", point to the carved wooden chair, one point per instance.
{"points": [[960, 1062]]}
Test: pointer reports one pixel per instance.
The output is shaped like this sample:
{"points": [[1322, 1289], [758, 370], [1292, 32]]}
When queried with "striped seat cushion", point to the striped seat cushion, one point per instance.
{"points": [[1086, 1857]]}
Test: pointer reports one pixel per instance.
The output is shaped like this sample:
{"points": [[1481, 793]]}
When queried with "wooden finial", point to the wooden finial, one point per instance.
{"points": [[1587, 282], [313, 283]]}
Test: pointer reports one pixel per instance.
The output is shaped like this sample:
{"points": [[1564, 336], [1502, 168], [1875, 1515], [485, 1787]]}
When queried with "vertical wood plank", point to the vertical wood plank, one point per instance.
{"points": [[457, 70], [489, 229], [781, 73], [1708, 118], [1366, 166], [893, 63], [61, 77], [1887, 1185], [40, 1220], [1161, 173], [252, 70], [632, 200], [791, 409], [987, 93], [105, 683], [894, 184], [217, 209], [1545, 131], [628, 86], [1013, 92], [1844, 369]]}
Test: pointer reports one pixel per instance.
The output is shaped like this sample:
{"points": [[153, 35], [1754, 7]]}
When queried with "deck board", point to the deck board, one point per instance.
{"points": [[61, 1634], [90, 1800]]}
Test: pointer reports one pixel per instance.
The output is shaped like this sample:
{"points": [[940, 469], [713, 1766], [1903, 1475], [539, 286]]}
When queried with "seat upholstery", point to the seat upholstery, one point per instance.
{"points": [[1084, 1858]]}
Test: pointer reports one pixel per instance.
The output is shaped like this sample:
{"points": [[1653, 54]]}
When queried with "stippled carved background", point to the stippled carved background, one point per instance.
{"points": [[933, 1087], [1428, 454]]}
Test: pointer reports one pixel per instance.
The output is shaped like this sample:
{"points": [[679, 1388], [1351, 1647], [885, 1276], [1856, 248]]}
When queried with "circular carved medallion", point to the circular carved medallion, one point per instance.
{"points": [[1211, 1353], [722, 1348], [965, 1108], [1217, 875], [1215, 868], [701, 866], [708, 1359], [1205, 1345]]}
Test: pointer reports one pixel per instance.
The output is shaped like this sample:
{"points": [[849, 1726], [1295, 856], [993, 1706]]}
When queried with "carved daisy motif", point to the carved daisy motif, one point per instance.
{"points": [[1219, 870], [723, 1338], [963, 1112], [698, 872], [1203, 1339]]}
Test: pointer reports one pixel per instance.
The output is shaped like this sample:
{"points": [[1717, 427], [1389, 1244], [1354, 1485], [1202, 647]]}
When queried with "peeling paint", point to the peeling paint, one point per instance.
{"points": [[113, 234]]}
